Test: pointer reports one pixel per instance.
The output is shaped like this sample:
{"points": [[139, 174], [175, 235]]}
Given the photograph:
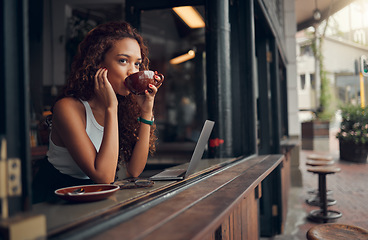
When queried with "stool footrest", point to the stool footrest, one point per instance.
{"points": [[316, 192], [318, 216], [316, 202]]}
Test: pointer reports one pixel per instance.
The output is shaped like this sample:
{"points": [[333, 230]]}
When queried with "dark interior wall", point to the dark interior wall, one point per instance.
{"points": [[35, 56], [15, 92], [2, 67]]}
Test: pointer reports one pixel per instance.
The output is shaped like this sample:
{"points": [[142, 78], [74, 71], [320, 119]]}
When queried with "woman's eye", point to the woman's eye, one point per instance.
{"points": [[123, 60], [138, 64]]}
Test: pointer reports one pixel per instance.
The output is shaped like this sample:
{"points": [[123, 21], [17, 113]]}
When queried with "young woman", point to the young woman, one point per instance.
{"points": [[94, 121]]}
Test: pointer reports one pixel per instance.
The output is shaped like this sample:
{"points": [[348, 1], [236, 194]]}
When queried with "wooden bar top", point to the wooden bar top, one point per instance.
{"points": [[164, 207]]}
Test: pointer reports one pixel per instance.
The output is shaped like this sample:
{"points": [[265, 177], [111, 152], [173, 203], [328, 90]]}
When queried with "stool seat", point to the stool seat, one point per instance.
{"points": [[337, 232], [319, 163], [324, 169], [319, 157]]}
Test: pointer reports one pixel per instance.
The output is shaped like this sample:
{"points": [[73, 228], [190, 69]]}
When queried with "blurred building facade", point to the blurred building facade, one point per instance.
{"points": [[341, 52]]}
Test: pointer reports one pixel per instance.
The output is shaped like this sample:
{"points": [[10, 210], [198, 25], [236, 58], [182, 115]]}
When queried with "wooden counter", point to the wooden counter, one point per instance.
{"points": [[221, 199]]}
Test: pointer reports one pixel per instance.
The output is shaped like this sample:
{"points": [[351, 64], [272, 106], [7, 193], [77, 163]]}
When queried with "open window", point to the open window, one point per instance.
{"points": [[177, 50]]}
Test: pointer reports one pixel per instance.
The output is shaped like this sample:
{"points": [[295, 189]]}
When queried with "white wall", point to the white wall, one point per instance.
{"points": [[306, 95], [290, 42], [339, 56]]}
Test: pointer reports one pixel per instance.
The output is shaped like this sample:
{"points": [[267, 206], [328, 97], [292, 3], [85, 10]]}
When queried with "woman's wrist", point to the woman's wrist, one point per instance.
{"points": [[146, 118], [147, 115]]}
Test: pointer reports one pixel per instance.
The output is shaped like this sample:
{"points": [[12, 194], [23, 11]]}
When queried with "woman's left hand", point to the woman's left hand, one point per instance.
{"points": [[146, 101]]}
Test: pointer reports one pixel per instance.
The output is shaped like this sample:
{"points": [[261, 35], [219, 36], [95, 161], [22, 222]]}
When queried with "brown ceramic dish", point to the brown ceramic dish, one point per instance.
{"points": [[87, 193]]}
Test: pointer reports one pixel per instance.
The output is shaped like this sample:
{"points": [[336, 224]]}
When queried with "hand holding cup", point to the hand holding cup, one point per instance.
{"points": [[138, 82]]}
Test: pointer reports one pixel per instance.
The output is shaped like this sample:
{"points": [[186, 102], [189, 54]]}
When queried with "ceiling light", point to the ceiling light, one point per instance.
{"points": [[317, 15], [182, 58], [190, 16]]}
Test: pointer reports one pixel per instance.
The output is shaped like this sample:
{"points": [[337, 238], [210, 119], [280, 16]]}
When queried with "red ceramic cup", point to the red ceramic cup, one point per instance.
{"points": [[138, 82]]}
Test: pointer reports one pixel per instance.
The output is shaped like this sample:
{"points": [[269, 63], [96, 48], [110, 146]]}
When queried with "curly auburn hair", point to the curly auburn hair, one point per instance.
{"points": [[80, 85]]}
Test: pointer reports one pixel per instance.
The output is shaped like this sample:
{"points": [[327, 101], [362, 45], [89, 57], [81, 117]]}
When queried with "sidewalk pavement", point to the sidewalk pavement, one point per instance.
{"points": [[350, 190]]}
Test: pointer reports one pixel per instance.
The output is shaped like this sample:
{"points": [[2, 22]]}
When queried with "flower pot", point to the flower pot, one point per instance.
{"points": [[353, 152], [316, 135]]}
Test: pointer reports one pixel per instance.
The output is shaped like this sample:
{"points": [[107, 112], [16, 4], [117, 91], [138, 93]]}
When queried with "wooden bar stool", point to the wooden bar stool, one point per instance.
{"points": [[323, 214], [319, 163], [315, 201], [319, 157], [336, 232]]}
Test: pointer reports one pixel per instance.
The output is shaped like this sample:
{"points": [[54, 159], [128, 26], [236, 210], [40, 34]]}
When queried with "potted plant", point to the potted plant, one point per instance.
{"points": [[353, 134]]}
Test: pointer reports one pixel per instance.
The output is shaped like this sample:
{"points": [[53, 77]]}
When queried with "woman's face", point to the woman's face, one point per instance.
{"points": [[123, 59]]}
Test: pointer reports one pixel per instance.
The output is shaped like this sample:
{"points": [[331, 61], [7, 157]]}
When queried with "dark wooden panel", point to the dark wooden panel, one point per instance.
{"points": [[250, 224]]}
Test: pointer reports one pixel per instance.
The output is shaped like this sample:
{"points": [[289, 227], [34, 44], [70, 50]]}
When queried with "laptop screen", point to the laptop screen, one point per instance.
{"points": [[177, 174]]}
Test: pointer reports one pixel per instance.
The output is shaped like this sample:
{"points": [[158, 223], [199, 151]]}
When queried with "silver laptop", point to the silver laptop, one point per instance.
{"points": [[178, 174]]}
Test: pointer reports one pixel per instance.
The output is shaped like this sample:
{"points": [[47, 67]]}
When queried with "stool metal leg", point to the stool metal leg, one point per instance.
{"points": [[322, 192], [317, 201], [323, 215]]}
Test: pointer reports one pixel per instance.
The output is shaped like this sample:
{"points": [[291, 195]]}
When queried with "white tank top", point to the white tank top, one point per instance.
{"points": [[60, 156]]}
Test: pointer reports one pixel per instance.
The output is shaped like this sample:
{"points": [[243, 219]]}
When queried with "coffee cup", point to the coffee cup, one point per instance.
{"points": [[138, 82]]}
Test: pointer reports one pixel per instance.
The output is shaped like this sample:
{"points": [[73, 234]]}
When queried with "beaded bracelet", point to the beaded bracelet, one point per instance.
{"points": [[142, 120]]}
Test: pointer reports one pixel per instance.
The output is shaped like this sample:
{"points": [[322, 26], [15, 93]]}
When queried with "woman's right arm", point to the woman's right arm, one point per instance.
{"points": [[69, 131]]}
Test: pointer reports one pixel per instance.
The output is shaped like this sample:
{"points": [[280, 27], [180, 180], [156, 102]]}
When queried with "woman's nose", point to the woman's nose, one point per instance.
{"points": [[132, 69]]}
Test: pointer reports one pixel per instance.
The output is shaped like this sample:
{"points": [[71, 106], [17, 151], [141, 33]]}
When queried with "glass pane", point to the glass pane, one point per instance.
{"points": [[302, 81], [180, 104], [82, 19], [313, 81]]}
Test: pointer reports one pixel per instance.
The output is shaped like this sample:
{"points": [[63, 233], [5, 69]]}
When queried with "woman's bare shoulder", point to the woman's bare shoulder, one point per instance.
{"points": [[69, 105]]}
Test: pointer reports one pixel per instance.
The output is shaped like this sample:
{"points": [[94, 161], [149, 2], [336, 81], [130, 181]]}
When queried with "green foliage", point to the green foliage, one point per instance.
{"points": [[354, 125], [327, 108], [327, 99]]}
